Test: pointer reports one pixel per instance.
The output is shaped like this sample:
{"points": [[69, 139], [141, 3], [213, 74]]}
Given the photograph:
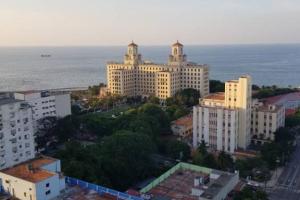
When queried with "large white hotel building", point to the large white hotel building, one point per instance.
{"points": [[135, 77]]}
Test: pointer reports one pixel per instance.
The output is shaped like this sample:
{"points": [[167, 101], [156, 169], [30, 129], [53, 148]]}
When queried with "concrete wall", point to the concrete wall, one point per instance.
{"points": [[17, 187], [63, 105]]}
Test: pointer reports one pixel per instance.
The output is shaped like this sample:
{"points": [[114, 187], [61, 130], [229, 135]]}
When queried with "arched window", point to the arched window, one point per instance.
{"points": [[175, 51]]}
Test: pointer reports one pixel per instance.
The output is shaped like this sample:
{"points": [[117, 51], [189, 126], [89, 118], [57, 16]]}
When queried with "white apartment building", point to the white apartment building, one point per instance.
{"points": [[46, 104], [266, 120], [222, 120], [37, 179], [135, 77], [238, 95], [16, 132], [215, 124]]}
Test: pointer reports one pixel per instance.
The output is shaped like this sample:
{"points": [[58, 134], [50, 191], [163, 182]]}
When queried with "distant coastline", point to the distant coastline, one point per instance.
{"points": [[22, 68]]}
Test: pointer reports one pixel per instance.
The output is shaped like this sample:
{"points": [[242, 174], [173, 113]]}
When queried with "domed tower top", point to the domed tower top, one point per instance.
{"points": [[132, 44], [177, 44], [132, 56], [177, 56]]}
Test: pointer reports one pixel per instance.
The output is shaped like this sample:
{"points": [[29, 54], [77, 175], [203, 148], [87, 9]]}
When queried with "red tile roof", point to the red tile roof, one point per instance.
{"points": [[35, 174], [216, 96], [295, 96], [184, 121]]}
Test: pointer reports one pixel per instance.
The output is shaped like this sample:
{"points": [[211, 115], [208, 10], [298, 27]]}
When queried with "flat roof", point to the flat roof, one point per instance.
{"points": [[28, 92], [184, 121], [216, 96], [266, 108], [179, 182], [5, 101], [31, 170]]}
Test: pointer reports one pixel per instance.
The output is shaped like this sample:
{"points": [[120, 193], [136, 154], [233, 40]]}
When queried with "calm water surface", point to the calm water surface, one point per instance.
{"points": [[23, 68]]}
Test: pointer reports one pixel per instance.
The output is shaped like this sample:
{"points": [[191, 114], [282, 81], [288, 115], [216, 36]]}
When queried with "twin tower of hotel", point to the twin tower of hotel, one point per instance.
{"points": [[135, 77], [222, 120]]}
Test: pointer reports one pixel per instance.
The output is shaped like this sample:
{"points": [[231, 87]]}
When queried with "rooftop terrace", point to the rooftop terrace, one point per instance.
{"points": [[190, 182], [31, 170]]}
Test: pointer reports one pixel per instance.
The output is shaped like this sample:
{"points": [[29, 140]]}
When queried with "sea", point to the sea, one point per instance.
{"points": [[23, 68]]}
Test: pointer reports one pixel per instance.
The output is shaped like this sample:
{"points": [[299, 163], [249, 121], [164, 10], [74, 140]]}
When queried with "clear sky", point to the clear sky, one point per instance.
{"points": [[148, 22]]}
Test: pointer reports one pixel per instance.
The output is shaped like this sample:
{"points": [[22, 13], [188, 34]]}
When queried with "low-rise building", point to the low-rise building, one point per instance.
{"points": [[183, 127], [36, 179], [16, 131], [191, 182], [266, 119]]}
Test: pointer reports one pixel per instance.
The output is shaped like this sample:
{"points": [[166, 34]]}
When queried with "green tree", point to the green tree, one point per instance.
{"points": [[225, 161], [176, 111], [216, 86], [146, 124], [178, 150], [188, 97], [126, 158], [155, 111], [82, 163], [250, 194], [203, 158], [153, 99], [66, 128]]}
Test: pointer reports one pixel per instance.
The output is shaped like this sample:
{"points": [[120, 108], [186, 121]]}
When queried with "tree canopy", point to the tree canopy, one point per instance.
{"points": [[187, 97], [126, 157]]}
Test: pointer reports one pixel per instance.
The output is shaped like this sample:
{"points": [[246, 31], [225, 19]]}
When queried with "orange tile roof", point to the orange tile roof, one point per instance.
{"points": [[184, 121], [216, 96], [35, 175]]}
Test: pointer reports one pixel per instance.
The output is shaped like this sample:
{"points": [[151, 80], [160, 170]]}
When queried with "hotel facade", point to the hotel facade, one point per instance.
{"points": [[135, 77]]}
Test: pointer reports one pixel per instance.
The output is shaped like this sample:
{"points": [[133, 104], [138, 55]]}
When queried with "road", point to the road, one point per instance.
{"points": [[288, 183]]}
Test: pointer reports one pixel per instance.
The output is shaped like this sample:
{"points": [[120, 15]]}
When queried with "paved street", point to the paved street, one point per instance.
{"points": [[288, 183]]}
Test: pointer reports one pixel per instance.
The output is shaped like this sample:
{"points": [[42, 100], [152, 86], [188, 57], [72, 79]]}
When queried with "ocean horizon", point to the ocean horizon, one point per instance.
{"points": [[23, 68]]}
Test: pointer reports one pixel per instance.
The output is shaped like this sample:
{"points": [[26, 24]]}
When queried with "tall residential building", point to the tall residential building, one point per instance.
{"points": [[135, 77], [238, 95], [46, 103], [16, 132], [222, 120]]}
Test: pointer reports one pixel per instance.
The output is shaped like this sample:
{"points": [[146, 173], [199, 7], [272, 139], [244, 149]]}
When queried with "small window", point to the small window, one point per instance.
{"points": [[48, 192], [24, 194], [48, 184]]}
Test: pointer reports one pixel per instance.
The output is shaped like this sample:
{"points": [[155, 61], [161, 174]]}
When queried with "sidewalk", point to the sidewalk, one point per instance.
{"points": [[271, 183]]}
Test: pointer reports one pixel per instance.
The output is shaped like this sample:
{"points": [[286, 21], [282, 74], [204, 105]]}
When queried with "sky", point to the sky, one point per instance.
{"points": [[148, 22]]}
